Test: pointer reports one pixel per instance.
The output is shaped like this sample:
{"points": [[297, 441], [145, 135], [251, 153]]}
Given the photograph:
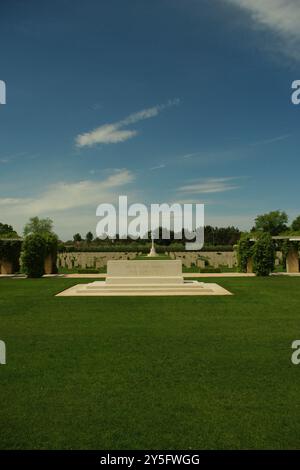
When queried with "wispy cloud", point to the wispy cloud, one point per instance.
{"points": [[63, 196], [14, 156], [280, 16], [210, 185], [113, 133], [272, 140], [190, 155], [158, 167]]}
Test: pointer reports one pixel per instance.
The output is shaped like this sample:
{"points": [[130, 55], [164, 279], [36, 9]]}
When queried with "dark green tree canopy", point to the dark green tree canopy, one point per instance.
{"points": [[77, 237], [296, 224], [7, 231], [89, 237], [274, 223], [38, 226]]}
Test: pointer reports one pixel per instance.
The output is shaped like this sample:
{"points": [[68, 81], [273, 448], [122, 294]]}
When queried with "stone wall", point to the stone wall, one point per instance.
{"points": [[99, 259]]}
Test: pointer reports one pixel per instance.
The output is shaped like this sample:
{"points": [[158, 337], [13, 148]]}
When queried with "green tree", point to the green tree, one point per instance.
{"points": [[273, 223], [77, 237], [38, 226], [89, 237], [7, 231], [296, 224]]}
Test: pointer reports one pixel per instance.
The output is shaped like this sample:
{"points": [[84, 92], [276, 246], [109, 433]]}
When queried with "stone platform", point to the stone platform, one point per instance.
{"points": [[144, 278]]}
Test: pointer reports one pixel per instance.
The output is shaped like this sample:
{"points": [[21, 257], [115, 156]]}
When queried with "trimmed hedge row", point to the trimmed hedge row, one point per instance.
{"points": [[130, 248]]}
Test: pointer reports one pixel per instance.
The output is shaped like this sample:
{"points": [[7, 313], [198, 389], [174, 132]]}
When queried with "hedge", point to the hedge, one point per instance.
{"points": [[140, 248], [33, 255], [244, 251], [264, 255]]}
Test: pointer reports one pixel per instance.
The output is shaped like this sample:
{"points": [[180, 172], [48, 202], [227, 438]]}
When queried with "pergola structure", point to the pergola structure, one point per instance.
{"points": [[6, 267], [292, 258]]}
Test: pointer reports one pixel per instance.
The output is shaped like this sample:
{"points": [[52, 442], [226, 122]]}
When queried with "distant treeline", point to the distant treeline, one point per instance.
{"points": [[216, 239]]}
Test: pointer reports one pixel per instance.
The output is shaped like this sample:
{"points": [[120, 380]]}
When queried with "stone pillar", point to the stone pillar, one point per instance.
{"points": [[250, 266], [292, 261], [48, 265], [6, 267]]}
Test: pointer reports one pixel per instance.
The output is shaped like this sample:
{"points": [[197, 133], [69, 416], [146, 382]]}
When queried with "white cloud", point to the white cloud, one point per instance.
{"points": [[210, 185], [64, 196], [280, 16], [114, 133], [272, 140], [158, 167]]}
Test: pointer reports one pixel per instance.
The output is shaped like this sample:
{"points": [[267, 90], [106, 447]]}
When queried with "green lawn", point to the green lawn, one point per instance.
{"points": [[152, 373]]}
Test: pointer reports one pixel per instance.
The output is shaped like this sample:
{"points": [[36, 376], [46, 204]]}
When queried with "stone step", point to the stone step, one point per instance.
{"points": [[147, 288], [134, 280], [103, 285]]}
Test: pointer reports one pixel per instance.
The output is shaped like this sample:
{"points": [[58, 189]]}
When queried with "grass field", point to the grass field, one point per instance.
{"points": [[151, 373]]}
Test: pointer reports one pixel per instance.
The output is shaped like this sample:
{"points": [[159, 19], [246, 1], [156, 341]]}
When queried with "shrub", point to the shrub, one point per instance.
{"points": [[244, 251], [264, 255], [88, 271], [210, 270], [33, 255], [10, 251]]}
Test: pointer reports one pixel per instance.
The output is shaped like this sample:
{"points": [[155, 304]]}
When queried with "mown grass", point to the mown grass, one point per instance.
{"points": [[152, 372]]}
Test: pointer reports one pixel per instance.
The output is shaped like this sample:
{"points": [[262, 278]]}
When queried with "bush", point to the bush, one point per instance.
{"points": [[244, 251], [10, 251], [88, 271], [33, 255], [210, 270], [264, 255], [136, 247]]}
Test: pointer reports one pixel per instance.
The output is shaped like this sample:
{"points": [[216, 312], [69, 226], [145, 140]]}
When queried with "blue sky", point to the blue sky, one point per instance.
{"points": [[168, 100]]}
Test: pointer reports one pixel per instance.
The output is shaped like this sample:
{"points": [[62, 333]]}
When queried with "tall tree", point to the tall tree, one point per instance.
{"points": [[37, 225], [296, 224], [273, 222], [89, 237], [77, 237], [7, 231]]}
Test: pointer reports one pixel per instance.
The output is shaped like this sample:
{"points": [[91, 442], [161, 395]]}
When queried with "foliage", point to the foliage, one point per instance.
{"points": [[244, 251], [296, 224], [33, 255], [89, 237], [7, 231], [274, 222], [88, 271], [210, 269], [10, 251], [38, 226], [263, 255], [77, 237], [221, 235]]}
